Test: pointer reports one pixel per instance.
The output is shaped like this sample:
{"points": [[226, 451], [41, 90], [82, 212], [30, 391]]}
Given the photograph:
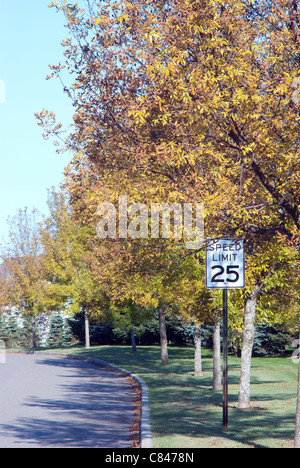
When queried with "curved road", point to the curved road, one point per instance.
{"points": [[57, 402]]}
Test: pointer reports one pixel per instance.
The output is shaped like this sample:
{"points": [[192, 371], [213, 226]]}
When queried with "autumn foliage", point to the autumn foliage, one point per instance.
{"points": [[185, 101], [190, 101]]}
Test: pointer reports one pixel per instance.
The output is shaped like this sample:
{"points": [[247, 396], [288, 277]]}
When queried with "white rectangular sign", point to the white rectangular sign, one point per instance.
{"points": [[225, 264]]}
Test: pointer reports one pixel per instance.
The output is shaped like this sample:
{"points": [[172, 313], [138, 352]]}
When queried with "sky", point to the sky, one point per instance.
{"points": [[30, 37]]}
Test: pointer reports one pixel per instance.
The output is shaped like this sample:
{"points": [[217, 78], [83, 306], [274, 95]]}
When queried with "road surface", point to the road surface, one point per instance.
{"points": [[57, 402]]}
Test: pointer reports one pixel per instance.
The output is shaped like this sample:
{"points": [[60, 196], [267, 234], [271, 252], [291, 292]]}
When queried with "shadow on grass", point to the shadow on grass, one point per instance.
{"points": [[196, 411]]}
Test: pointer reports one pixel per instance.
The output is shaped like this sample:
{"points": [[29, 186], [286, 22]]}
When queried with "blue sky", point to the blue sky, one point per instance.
{"points": [[30, 36]]}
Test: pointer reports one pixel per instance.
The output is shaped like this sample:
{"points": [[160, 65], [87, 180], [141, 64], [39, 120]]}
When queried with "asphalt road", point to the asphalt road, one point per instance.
{"points": [[57, 402]]}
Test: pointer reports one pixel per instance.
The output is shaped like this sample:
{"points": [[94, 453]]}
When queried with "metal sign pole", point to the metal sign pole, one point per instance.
{"points": [[225, 360]]}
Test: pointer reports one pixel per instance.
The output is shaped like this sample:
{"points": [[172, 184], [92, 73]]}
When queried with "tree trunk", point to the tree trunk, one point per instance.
{"points": [[198, 359], [163, 336], [247, 347], [34, 341], [297, 430], [133, 343], [87, 330], [217, 371]]}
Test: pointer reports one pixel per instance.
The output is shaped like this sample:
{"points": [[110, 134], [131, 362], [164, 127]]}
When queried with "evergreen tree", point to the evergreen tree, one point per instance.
{"points": [[60, 332], [9, 329]]}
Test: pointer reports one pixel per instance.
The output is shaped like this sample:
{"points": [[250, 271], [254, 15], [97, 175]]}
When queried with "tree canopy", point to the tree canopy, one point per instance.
{"points": [[190, 101]]}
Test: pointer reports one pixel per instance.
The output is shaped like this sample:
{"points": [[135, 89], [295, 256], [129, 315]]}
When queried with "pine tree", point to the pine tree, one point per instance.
{"points": [[60, 333], [56, 330], [9, 329]]}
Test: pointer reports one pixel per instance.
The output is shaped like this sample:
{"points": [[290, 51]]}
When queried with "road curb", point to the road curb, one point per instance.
{"points": [[146, 432]]}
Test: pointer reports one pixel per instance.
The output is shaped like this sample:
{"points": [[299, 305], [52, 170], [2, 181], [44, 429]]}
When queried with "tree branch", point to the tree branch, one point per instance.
{"points": [[291, 209]]}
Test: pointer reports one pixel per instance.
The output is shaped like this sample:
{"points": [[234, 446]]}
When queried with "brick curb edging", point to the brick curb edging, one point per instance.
{"points": [[146, 433]]}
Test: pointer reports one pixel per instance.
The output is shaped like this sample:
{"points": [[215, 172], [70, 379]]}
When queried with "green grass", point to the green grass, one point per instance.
{"points": [[186, 413]]}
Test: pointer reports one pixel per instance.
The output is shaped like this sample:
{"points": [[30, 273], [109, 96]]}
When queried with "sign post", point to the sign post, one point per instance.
{"points": [[225, 269], [225, 360]]}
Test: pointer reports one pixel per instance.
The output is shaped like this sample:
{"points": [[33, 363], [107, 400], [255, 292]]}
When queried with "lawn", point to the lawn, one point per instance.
{"points": [[186, 413]]}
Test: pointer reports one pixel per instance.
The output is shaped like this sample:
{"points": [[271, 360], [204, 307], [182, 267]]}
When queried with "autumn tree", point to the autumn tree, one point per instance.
{"points": [[126, 315], [65, 261], [191, 100], [22, 285], [269, 266], [150, 275], [174, 90]]}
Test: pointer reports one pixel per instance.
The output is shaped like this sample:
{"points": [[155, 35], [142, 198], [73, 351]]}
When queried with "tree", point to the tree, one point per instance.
{"points": [[9, 330], [248, 337], [269, 266], [199, 95], [23, 284], [126, 315], [146, 73], [66, 250], [297, 430], [163, 336], [199, 310], [198, 357], [217, 376], [59, 331]]}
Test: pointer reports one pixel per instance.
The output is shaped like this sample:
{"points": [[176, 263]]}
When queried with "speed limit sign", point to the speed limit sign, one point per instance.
{"points": [[225, 269], [225, 264]]}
